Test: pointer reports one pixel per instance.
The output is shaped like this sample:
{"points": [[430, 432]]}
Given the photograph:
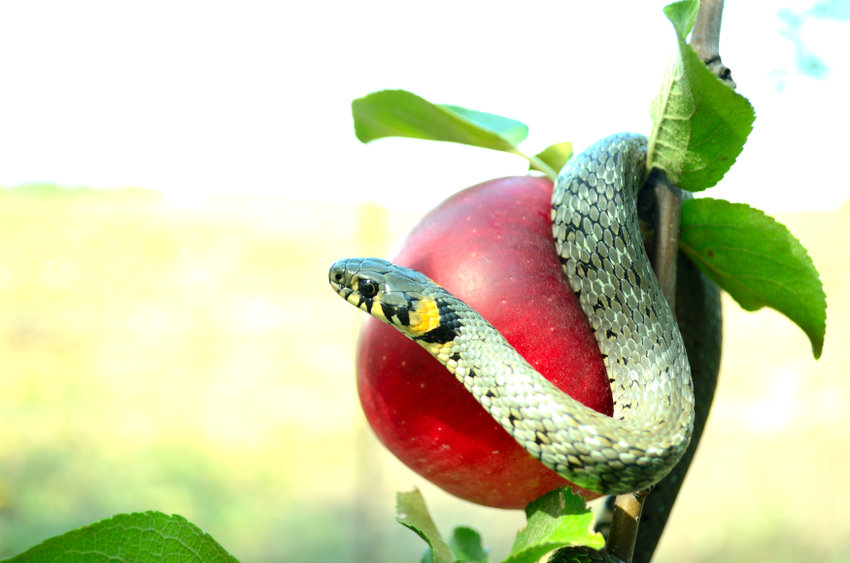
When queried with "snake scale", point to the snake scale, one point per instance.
{"points": [[597, 236]]}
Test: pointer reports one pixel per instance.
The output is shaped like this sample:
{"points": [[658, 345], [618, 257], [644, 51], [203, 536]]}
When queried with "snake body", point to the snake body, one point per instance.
{"points": [[597, 236]]}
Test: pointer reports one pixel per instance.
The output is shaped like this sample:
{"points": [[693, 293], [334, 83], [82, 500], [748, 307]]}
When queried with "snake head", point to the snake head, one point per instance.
{"points": [[396, 295]]}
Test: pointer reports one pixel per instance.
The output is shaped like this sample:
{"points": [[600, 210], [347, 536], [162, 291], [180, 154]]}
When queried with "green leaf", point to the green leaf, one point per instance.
{"points": [[466, 544], [683, 16], [398, 113], [511, 129], [555, 156], [141, 536], [412, 513], [700, 124], [756, 260], [557, 519]]}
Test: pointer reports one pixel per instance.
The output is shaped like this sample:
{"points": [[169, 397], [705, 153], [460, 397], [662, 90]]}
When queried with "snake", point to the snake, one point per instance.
{"points": [[597, 237]]}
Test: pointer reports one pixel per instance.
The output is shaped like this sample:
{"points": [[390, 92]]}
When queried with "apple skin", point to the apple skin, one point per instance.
{"points": [[491, 245]]}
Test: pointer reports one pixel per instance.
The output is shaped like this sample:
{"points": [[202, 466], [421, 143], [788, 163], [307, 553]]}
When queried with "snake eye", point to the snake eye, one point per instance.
{"points": [[367, 288]]}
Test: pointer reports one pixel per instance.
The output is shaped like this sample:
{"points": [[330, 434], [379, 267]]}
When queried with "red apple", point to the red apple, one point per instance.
{"points": [[492, 246]]}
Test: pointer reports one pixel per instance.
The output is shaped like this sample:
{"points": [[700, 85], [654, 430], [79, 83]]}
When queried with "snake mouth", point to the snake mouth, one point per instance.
{"points": [[341, 290], [345, 292]]}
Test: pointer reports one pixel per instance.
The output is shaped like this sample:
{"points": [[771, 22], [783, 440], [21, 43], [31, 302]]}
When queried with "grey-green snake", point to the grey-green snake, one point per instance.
{"points": [[597, 236]]}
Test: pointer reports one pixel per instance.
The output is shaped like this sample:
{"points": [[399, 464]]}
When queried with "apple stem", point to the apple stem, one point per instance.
{"points": [[537, 164]]}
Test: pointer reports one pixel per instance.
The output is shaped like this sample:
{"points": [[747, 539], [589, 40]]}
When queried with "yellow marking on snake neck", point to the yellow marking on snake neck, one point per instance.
{"points": [[428, 315]]}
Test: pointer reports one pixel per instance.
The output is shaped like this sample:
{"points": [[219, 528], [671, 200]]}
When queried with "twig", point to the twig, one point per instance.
{"points": [[625, 520], [668, 203], [700, 320], [706, 39]]}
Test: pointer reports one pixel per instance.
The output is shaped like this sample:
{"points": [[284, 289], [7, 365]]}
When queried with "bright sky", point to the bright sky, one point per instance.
{"points": [[200, 98]]}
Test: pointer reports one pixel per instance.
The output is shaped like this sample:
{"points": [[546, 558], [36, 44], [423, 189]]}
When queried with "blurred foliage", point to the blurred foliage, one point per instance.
{"points": [[163, 358]]}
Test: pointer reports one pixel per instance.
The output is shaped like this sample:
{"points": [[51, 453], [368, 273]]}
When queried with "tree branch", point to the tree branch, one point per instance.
{"points": [[706, 39], [625, 520], [664, 249], [668, 206], [667, 203], [667, 211]]}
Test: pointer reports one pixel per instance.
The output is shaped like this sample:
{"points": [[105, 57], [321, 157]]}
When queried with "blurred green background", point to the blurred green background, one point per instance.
{"points": [[194, 361]]}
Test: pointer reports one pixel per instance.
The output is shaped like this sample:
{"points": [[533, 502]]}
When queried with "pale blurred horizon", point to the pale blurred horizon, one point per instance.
{"points": [[196, 99]]}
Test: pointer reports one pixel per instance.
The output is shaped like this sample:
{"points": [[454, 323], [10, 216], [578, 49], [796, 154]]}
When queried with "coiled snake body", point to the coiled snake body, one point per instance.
{"points": [[597, 236]]}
